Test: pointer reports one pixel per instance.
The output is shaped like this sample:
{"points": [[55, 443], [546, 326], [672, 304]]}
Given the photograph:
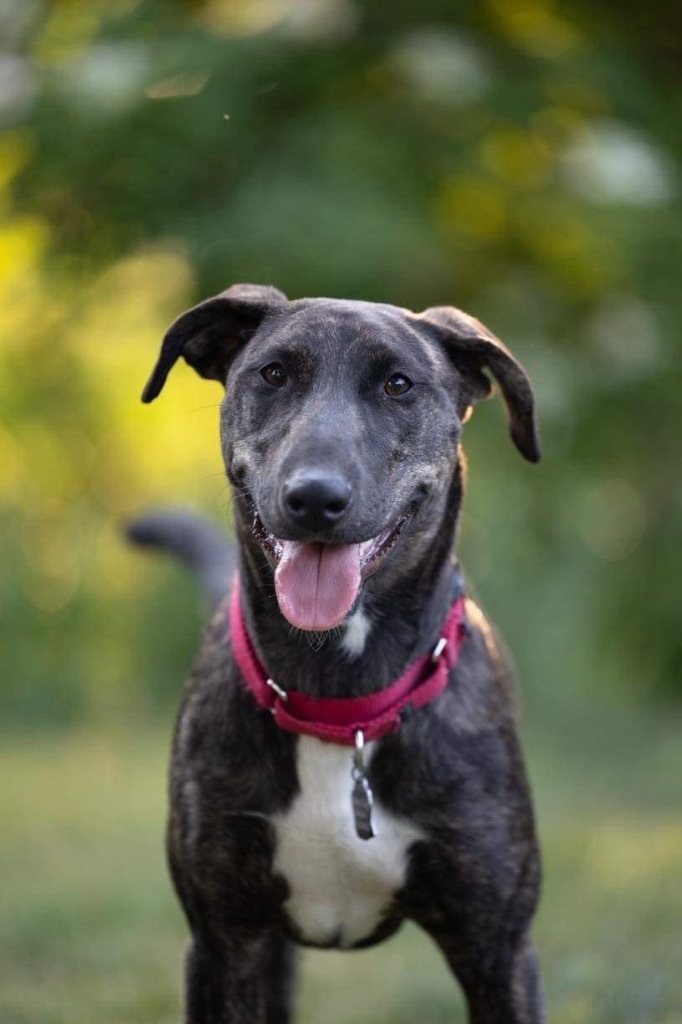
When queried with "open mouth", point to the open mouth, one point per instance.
{"points": [[318, 584]]}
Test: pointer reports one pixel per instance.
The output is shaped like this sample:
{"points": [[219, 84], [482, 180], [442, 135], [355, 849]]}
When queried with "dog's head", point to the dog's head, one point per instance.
{"points": [[340, 427]]}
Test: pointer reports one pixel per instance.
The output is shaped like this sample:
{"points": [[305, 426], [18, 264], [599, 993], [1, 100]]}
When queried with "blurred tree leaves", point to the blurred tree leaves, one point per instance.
{"points": [[520, 159]]}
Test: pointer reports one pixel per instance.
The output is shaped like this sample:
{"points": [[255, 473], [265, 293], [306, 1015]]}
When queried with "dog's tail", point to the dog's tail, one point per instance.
{"points": [[193, 540]]}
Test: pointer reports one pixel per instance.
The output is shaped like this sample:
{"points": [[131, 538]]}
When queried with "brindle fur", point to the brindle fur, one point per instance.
{"points": [[454, 768]]}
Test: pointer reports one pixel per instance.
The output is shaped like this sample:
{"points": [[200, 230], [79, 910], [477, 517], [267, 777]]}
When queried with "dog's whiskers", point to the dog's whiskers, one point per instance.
{"points": [[209, 476], [316, 641]]}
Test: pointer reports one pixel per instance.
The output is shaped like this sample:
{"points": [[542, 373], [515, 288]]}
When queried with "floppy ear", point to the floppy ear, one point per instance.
{"points": [[473, 348], [209, 335]]}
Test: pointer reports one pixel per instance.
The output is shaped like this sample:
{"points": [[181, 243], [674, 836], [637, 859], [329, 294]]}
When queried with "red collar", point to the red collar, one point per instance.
{"points": [[339, 719]]}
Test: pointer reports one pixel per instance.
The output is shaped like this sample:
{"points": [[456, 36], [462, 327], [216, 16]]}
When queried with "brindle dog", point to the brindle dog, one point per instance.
{"points": [[340, 433]]}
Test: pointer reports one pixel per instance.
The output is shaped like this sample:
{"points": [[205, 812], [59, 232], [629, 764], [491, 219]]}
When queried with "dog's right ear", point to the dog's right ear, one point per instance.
{"points": [[209, 335]]}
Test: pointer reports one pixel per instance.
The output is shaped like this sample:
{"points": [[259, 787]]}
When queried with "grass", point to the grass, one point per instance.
{"points": [[90, 930]]}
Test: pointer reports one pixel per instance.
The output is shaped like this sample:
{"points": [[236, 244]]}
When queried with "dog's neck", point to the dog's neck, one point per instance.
{"points": [[327, 665]]}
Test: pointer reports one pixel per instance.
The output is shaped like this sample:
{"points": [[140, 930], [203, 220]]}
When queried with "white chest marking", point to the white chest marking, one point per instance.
{"points": [[339, 884], [355, 632]]}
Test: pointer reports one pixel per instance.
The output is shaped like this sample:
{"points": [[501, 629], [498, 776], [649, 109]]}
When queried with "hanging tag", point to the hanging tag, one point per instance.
{"points": [[363, 801], [361, 794]]}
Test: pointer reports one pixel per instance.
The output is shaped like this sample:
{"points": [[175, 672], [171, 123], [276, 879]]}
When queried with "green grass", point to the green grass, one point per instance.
{"points": [[90, 930]]}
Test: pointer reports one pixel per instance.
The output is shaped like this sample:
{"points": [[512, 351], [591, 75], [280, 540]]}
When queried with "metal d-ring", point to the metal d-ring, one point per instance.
{"points": [[282, 694], [358, 755], [439, 648]]}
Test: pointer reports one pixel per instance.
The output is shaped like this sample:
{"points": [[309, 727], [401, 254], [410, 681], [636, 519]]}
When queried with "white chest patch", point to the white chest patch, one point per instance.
{"points": [[355, 632], [339, 884]]}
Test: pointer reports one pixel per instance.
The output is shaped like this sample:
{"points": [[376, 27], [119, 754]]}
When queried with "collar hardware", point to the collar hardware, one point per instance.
{"points": [[282, 694], [361, 796], [438, 649], [350, 721], [358, 756]]}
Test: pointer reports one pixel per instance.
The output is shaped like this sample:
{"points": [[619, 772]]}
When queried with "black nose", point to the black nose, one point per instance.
{"points": [[316, 500]]}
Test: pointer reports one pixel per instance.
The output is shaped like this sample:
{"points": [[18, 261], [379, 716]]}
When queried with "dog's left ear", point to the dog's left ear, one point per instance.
{"points": [[473, 348], [209, 335]]}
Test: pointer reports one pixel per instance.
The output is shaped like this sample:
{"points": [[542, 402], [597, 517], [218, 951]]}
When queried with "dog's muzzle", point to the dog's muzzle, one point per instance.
{"points": [[317, 584]]}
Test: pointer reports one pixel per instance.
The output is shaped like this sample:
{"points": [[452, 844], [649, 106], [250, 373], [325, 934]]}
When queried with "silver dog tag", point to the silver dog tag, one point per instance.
{"points": [[362, 798], [363, 801]]}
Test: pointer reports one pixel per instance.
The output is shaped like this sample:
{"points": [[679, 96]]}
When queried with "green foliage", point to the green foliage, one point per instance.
{"points": [[517, 159]]}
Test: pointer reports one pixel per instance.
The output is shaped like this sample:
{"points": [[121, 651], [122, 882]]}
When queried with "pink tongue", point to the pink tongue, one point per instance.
{"points": [[317, 584]]}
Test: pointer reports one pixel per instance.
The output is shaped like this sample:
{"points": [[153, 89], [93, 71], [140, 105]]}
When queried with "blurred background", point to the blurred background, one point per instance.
{"points": [[517, 158]]}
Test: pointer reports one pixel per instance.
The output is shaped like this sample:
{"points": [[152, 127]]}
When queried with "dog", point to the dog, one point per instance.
{"points": [[346, 754]]}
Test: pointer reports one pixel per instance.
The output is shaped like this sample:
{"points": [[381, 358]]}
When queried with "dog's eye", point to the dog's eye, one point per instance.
{"points": [[275, 374], [398, 384]]}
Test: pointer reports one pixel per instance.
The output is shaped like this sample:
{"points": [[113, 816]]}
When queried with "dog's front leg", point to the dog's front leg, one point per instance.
{"points": [[505, 990], [238, 978]]}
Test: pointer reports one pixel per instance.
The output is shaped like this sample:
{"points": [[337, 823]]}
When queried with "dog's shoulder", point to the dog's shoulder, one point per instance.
{"points": [[484, 672], [219, 731], [213, 665]]}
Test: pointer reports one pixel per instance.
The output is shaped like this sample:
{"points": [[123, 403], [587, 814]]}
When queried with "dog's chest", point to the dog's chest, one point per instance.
{"points": [[339, 884]]}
